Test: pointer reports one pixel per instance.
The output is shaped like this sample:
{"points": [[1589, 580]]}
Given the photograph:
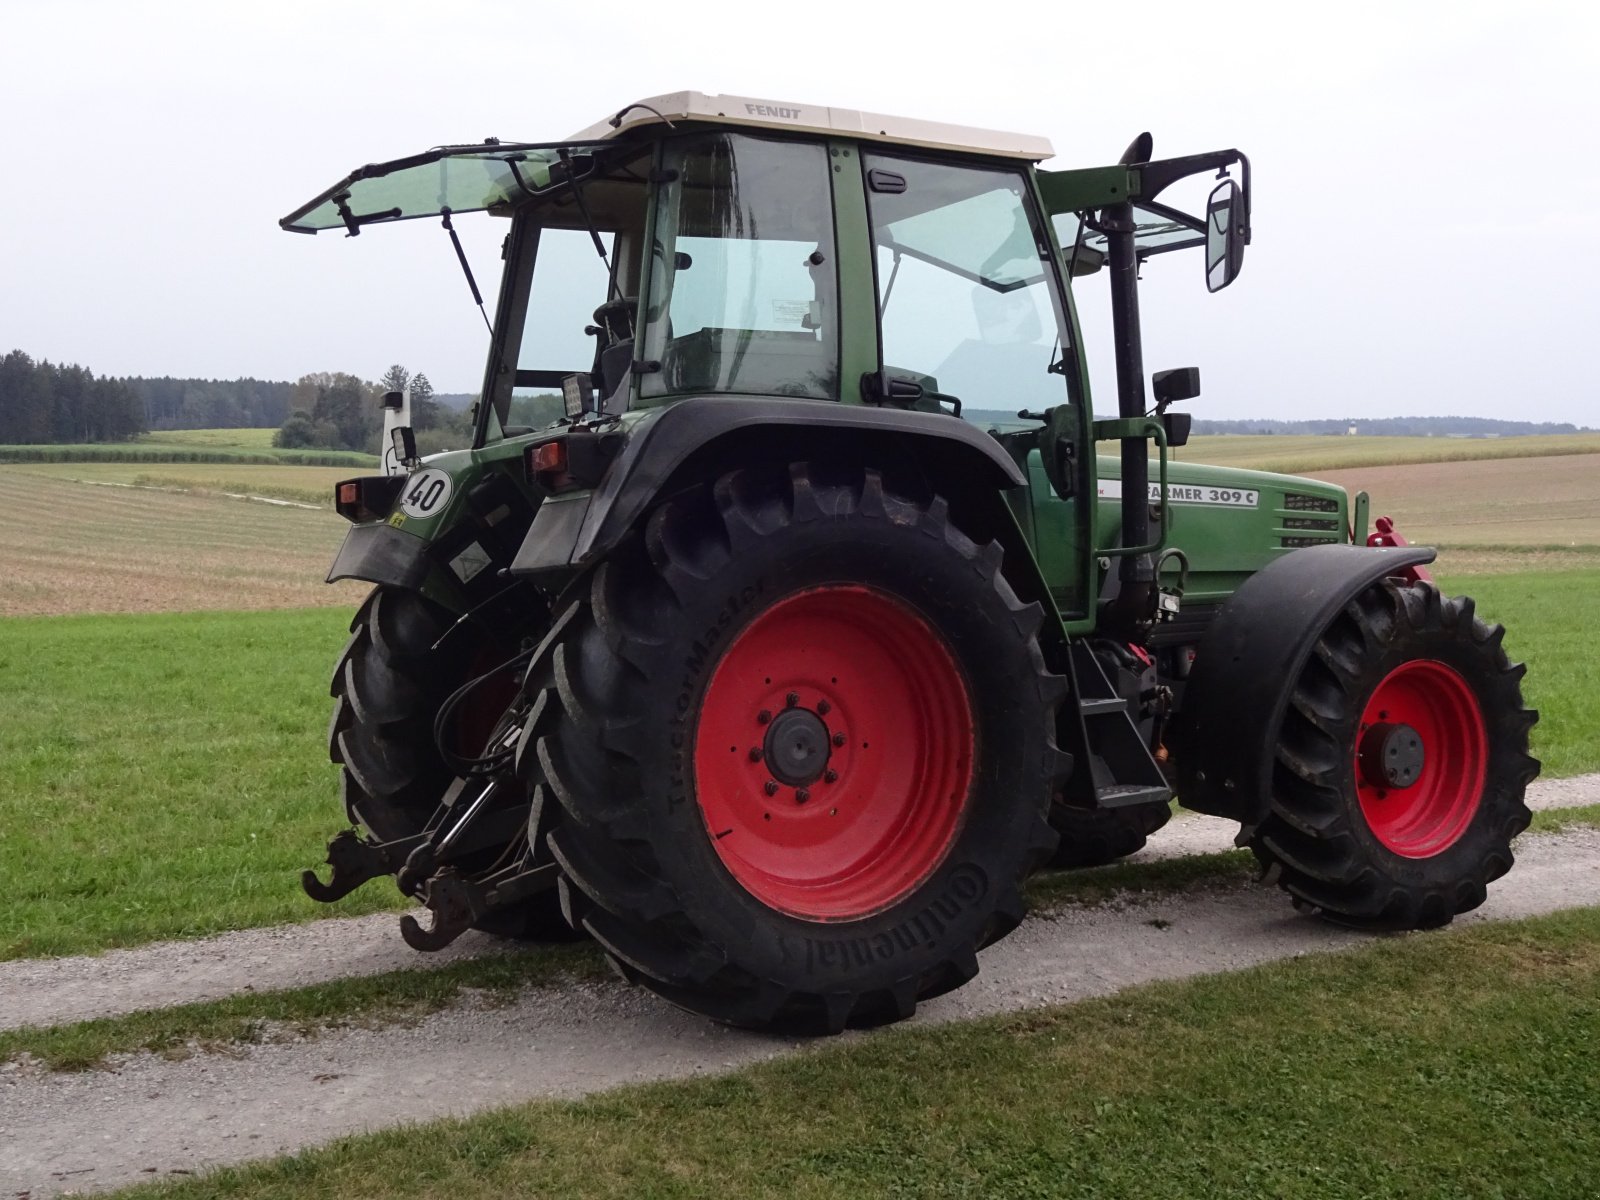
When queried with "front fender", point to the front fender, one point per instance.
{"points": [[1246, 666], [709, 433]]}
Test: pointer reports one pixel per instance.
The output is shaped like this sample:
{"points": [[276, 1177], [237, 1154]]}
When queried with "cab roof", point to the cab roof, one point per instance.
{"points": [[767, 113], [493, 175]]}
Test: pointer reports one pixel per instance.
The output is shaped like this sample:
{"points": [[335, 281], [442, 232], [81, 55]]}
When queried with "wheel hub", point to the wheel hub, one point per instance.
{"points": [[1420, 758], [1392, 755], [797, 747], [834, 753]]}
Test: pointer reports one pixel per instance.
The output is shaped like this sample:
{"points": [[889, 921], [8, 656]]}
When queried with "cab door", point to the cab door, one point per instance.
{"points": [[971, 312]]}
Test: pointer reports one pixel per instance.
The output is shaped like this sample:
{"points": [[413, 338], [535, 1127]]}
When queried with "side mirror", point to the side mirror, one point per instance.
{"points": [[1227, 231]]}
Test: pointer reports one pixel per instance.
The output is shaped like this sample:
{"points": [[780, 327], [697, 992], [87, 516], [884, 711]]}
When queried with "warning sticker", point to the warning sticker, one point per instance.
{"points": [[1188, 493]]}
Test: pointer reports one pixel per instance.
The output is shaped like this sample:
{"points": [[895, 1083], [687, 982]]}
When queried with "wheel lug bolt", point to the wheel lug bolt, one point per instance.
{"points": [[801, 796], [830, 776], [755, 753], [792, 699], [823, 708], [772, 787], [763, 717], [838, 739]]}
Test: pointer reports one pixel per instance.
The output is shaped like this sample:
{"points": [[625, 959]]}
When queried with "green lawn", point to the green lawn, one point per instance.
{"points": [[1457, 1064], [1550, 620], [167, 775]]}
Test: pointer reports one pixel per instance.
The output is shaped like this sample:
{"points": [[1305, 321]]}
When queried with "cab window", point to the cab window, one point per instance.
{"points": [[743, 287], [968, 304]]}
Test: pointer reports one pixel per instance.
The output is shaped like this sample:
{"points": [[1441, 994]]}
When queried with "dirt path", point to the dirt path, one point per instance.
{"points": [[57, 991], [97, 1130]]}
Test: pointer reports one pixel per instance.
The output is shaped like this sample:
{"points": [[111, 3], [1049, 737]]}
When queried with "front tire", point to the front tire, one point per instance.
{"points": [[1401, 764], [804, 753]]}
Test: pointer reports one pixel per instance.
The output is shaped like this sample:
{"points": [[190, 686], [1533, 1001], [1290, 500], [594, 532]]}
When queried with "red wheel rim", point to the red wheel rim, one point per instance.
{"points": [[1429, 815], [833, 754]]}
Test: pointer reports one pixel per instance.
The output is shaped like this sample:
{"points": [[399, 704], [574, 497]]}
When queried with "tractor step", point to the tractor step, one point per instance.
{"points": [[1102, 732], [1128, 795], [1115, 706]]}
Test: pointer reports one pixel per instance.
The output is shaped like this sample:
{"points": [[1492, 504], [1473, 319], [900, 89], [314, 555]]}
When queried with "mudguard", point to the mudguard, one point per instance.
{"points": [[1246, 666], [662, 447], [380, 553]]}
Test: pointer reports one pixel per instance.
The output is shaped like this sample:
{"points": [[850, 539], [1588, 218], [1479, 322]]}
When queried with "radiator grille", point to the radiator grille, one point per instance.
{"points": [[1300, 502]]}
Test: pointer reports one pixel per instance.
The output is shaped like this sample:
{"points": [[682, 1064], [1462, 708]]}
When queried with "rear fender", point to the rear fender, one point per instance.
{"points": [[700, 438], [1246, 665], [379, 553]]}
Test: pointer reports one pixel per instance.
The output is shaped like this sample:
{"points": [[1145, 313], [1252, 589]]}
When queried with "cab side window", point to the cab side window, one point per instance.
{"points": [[968, 304], [744, 288]]}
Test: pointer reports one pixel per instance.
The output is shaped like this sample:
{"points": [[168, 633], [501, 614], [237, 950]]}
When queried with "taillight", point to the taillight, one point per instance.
{"points": [[550, 458], [573, 460], [368, 498]]}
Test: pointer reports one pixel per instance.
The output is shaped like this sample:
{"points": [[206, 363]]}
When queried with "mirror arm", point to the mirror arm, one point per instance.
{"points": [[1156, 177]]}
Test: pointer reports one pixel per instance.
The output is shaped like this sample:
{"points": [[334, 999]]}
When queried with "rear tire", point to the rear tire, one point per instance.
{"points": [[387, 688], [1401, 764], [804, 752]]}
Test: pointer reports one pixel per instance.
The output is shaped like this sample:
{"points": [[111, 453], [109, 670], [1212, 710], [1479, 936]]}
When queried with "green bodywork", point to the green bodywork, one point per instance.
{"points": [[1228, 523]]}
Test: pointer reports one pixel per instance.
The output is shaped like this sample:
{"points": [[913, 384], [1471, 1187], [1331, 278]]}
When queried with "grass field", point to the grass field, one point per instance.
{"points": [[72, 548], [1302, 453], [237, 439], [302, 484], [181, 760], [199, 738], [190, 446], [1461, 1064], [1501, 509], [166, 776]]}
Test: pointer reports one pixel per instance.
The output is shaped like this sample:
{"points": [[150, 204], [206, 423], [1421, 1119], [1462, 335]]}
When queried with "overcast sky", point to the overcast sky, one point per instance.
{"points": [[1427, 199]]}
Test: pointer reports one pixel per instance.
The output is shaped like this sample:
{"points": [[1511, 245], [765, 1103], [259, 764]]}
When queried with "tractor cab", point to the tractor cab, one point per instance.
{"points": [[792, 251]]}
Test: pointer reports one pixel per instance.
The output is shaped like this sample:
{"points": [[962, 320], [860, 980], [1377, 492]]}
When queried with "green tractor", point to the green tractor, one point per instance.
{"points": [[782, 619]]}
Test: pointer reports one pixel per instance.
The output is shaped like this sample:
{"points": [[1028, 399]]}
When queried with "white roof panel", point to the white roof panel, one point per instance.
{"points": [[768, 113]]}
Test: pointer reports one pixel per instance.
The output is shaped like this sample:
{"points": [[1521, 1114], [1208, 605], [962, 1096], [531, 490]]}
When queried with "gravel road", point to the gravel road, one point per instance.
{"points": [[55, 991], [150, 1116]]}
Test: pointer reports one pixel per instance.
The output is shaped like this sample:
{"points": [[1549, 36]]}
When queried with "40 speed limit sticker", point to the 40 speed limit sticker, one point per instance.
{"points": [[426, 493], [1188, 493]]}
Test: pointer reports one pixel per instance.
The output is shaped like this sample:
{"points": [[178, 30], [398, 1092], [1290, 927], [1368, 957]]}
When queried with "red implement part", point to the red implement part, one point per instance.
{"points": [[1422, 727], [834, 754], [1385, 535]]}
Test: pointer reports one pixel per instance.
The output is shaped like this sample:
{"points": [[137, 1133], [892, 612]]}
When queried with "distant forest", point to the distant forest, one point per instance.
{"points": [[42, 401], [45, 402]]}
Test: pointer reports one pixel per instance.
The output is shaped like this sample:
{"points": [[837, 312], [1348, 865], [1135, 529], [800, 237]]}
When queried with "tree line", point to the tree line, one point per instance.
{"points": [[336, 411], [49, 402], [43, 402]]}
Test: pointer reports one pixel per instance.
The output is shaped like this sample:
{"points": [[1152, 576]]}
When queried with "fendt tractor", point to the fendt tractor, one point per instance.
{"points": [[781, 618]]}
